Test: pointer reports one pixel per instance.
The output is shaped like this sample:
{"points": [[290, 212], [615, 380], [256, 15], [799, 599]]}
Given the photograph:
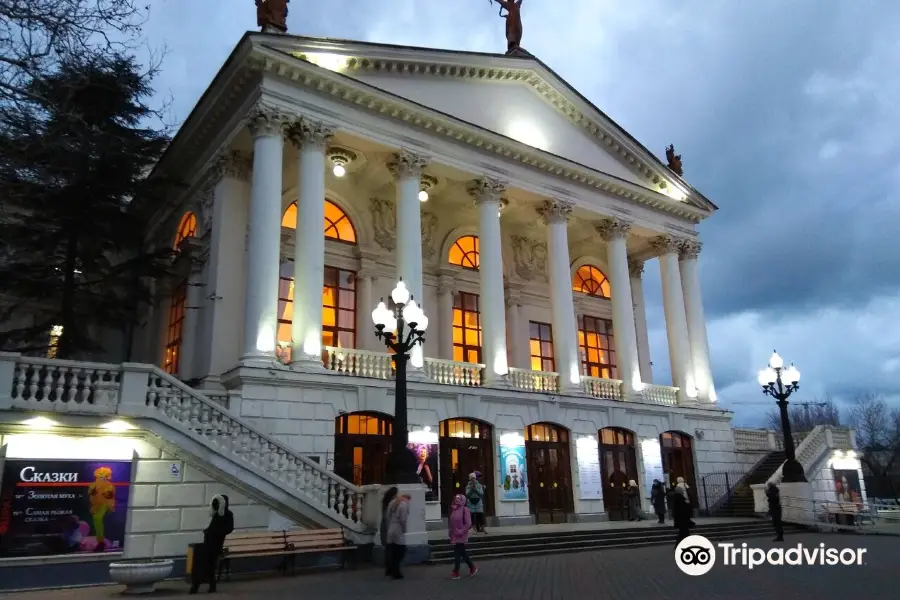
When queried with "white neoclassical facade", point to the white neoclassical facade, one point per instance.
{"points": [[520, 217]]}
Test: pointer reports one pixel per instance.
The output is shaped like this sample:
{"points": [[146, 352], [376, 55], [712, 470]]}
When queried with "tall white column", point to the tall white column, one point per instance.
{"points": [[555, 215], [407, 168], [264, 241], [676, 320], [310, 138], [365, 329], [189, 362], [487, 193], [615, 233], [636, 271], [514, 327], [693, 304], [446, 290]]}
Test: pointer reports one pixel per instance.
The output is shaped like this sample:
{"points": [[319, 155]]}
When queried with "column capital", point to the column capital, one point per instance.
{"points": [[307, 133], [613, 229], [690, 249], [635, 268], [230, 163], [367, 273], [556, 210], [264, 120], [408, 164], [447, 285], [486, 189], [666, 244]]}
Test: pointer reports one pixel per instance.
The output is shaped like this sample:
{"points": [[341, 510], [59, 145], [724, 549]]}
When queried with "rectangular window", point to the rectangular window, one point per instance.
{"points": [[338, 310], [174, 332], [466, 328], [541, 345], [596, 344]]}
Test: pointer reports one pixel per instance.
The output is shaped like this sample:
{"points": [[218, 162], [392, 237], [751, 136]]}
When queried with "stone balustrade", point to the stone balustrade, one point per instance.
{"points": [[534, 381], [602, 388], [659, 394]]}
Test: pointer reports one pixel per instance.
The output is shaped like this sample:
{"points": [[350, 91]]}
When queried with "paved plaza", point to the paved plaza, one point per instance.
{"points": [[639, 574]]}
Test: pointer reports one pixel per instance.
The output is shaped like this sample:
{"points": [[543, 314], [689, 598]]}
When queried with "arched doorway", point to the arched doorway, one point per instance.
{"points": [[549, 469], [618, 464], [677, 450], [466, 446], [362, 441]]}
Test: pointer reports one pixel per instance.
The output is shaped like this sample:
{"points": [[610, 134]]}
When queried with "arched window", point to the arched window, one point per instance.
{"points": [[337, 224], [464, 252], [591, 281], [187, 227]]}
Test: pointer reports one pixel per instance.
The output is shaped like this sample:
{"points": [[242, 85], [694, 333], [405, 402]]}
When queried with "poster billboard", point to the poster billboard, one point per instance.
{"points": [[427, 468], [50, 507], [513, 478]]}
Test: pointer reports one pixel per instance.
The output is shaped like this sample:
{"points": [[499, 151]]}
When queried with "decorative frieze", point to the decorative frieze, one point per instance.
{"points": [[529, 257], [307, 133], [429, 227], [556, 210], [486, 189], [408, 164], [264, 120], [635, 268], [613, 229], [384, 222], [690, 249], [666, 244]]}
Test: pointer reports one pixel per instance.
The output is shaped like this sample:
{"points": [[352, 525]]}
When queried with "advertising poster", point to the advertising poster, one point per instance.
{"points": [[50, 507], [513, 479], [653, 469], [426, 468], [846, 486], [589, 469]]}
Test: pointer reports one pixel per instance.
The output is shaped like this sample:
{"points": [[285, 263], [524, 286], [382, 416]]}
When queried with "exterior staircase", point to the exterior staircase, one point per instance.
{"points": [[171, 415], [741, 502]]}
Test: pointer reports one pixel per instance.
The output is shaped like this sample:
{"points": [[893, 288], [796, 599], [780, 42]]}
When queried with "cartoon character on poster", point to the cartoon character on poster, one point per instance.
{"points": [[514, 477]]}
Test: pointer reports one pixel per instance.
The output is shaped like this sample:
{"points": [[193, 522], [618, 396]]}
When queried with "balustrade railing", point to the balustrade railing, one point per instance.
{"points": [[602, 388], [660, 394], [754, 439], [358, 363], [451, 372], [534, 381]]}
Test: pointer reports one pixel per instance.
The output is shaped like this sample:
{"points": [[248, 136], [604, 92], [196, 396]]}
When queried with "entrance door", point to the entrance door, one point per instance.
{"points": [[549, 472], [678, 461], [362, 442], [618, 463], [466, 446]]}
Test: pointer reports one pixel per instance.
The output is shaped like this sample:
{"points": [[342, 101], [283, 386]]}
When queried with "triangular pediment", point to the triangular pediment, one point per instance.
{"points": [[517, 97]]}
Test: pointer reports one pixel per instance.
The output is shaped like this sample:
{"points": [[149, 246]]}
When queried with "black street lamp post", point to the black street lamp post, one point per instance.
{"points": [[401, 330], [780, 382]]}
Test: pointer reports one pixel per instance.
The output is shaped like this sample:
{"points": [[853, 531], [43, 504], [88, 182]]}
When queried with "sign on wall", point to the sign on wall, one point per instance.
{"points": [[51, 507], [591, 481], [513, 475], [427, 468], [653, 469]]}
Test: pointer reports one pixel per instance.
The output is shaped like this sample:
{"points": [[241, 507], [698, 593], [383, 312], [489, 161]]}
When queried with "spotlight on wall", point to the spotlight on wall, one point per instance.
{"points": [[340, 158], [428, 182]]}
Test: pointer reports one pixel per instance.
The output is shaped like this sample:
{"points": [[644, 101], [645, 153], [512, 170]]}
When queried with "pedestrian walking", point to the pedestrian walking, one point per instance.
{"points": [[397, 518], [633, 496], [460, 522], [658, 500], [682, 511], [386, 501], [208, 553], [475, 501], [773, 494]]}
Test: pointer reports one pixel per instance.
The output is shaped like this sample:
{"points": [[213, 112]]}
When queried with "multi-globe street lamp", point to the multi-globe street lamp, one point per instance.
{"points": [[401, 330], [780, 382]]}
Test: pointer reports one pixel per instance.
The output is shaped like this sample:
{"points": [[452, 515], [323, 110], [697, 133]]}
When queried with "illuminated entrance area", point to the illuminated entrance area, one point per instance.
{"points": [[361, 444], [549, 464], [678, 460], [466, 446], [618, 464]]}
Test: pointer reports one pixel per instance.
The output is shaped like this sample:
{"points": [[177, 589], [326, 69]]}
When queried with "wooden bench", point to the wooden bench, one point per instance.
{"points": [[285, 545]]}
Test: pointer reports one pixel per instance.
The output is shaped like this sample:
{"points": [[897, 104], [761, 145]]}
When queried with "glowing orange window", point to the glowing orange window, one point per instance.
{"points": [[597, 347], [337, 224], [466, 328], [187, 228], [464, 252], [591, 281]]}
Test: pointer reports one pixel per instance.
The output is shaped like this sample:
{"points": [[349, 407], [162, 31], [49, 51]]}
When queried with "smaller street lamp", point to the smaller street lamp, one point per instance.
{"points": [[401, 329], [780, 382]]}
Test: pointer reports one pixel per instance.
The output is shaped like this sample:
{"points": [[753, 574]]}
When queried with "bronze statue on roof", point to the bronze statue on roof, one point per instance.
{"points": [[271, 15], [674, 160], [513, 18]]}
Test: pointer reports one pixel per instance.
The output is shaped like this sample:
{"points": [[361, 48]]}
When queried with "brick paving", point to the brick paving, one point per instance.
{"points": [[637, 574]]}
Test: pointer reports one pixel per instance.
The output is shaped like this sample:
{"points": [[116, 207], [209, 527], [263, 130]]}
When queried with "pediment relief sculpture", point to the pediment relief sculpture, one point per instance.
{"points": [[384, 222], [529, 257]]}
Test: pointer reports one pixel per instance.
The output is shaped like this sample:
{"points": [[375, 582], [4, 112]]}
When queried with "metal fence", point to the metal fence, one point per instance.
{"points": [[718, 488]]}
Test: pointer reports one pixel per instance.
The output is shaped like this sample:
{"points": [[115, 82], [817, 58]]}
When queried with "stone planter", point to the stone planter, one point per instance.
{"points": [[140, 576]]}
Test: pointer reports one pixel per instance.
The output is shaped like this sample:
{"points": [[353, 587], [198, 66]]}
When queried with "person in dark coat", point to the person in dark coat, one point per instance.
{"points": [[220, 526], [633, 496], [389, 497], [774, 497], [682, 511], [658, 499]]}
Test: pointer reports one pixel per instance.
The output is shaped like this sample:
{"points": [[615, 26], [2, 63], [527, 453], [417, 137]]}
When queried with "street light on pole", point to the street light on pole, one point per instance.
{"points": [[401, 329], [780, 382]]}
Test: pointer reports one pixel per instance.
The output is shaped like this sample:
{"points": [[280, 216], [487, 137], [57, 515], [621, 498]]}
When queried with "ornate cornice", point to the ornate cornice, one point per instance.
{"points": [[613, 229], [666, 244], [486, 189], [264, 120], [690, 249], [408, 164], [556, 210], [635, 268], [307, 133]]}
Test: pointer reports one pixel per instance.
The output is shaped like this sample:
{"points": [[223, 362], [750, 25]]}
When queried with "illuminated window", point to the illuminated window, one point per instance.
{"points": [[187, 227], [541, 347], [338, 308], [466, 328], [177, 307], [362, 424], [465, 428], [55, 333], [598, 352], [546, 432], [591, 281], [464, 252], [616, 436], [337, 223]]}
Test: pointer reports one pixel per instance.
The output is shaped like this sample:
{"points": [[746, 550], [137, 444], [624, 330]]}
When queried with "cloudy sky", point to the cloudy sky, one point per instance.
{"points": [[786, 114]]}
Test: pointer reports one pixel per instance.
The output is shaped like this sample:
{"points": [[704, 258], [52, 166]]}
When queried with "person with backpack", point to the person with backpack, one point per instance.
{"points": [[459, 523], [475, 501], [206, 559]]}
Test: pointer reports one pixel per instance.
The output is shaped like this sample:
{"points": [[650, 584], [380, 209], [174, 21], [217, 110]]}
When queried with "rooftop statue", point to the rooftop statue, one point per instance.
{"points": [[271, 15], [513, 18], [674, 160]]}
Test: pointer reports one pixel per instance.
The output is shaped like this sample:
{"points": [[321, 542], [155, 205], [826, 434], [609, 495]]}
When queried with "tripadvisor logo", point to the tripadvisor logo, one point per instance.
{"points": [[696, 555]]}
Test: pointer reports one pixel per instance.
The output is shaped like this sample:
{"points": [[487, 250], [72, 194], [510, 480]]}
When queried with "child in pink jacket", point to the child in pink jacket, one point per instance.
{"points": [[460, 523]]}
